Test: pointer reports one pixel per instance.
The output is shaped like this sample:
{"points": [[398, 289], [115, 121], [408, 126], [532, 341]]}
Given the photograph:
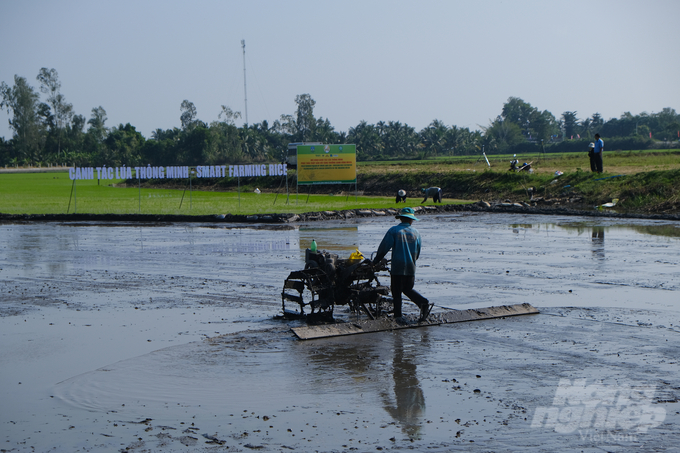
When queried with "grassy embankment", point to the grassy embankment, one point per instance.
{"points": [[644, 181]]}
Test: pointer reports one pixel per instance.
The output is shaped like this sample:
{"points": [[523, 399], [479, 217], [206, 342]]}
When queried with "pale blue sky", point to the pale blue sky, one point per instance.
{"points": [[373, 60]]}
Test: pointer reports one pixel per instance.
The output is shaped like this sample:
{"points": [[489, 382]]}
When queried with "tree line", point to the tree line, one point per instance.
{"points": [[48, 131]]}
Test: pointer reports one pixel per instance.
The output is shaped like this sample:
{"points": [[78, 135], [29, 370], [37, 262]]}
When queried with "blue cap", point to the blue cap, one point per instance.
{"points": [[409, 213]]}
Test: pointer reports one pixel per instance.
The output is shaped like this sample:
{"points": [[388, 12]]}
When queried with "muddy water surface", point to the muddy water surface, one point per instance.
{"points": [[163, 338]]}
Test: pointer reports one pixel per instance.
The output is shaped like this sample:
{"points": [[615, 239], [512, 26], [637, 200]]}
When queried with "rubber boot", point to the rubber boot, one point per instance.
{"points": [[425, 311]]}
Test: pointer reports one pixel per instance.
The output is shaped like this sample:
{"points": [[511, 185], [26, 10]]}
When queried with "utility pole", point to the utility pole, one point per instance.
{"points": [[245, 93]]}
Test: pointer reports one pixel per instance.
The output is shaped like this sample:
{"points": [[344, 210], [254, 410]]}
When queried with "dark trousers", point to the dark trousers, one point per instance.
{"points": [[403, 284], [435, 198], [598, 161]]}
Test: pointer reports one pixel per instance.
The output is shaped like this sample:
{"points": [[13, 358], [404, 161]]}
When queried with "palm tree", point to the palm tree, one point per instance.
{"points": [[366, 138], [570, 122], [433, 138]]}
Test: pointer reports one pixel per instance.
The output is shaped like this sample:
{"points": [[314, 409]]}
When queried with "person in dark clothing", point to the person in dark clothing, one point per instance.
{"points": [[591, 156], [405, 243], [401, 195], [434, 192]]}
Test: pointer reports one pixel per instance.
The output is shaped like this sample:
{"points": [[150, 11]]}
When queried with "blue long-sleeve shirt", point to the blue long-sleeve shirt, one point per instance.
{"points": [[599, 145], [404, 241]]}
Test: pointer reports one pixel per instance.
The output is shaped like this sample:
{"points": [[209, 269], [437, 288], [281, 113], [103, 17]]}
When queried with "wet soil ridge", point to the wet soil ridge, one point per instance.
{"points": [[553, 206]]}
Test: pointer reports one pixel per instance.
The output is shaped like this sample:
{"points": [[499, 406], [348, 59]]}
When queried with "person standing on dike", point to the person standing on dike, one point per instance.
{"points": [[597, 152]]}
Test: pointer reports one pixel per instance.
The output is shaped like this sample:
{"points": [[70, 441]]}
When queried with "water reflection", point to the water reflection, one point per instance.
{"points": [[596, 229], [386, 366], [333, 240], [598, 242], [670, 230], [34, 247], [407, 405]]}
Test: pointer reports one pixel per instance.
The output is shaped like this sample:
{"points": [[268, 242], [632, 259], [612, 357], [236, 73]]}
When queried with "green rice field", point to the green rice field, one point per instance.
{"points": [[55, 193]]}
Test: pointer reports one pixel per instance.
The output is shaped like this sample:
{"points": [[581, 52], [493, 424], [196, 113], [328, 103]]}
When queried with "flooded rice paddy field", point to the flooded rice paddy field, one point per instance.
{"points": [[149, 337]]}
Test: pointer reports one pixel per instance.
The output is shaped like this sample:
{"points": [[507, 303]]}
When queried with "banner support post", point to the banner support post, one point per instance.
{"points": [[70, 196], [277, 192], [286, 186], [180, 201]]}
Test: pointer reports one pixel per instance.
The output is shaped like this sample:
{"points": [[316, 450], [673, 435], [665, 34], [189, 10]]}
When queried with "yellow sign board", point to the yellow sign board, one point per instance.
{"points": [[327, 164]]}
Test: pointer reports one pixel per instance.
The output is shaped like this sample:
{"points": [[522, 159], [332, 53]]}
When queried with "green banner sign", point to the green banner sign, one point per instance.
{"points": [[327, 164]]}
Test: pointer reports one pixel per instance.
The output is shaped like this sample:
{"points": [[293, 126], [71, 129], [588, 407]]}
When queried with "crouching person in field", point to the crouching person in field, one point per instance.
{"points": [[434, 192]]}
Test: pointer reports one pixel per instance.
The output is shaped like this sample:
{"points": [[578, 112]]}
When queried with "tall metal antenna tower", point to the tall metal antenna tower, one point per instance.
{"points": [[245, 92]]}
